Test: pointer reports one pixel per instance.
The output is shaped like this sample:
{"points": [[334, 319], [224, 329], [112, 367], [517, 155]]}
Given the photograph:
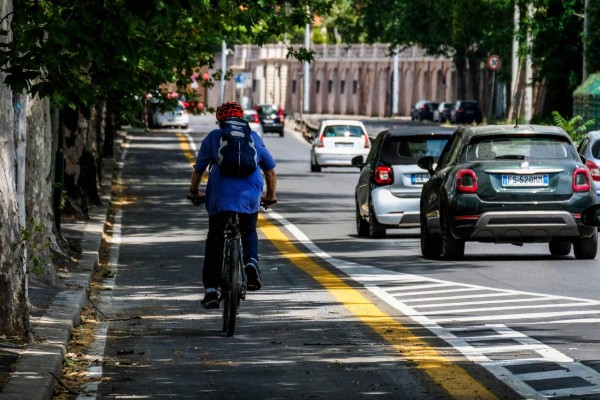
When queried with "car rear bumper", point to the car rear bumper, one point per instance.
{"points": [[333, 158], [525, 226], [272, 127], [399, 210]]}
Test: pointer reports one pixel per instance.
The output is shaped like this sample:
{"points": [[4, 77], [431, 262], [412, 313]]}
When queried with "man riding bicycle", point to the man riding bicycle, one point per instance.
{"points": [[226, 193]]}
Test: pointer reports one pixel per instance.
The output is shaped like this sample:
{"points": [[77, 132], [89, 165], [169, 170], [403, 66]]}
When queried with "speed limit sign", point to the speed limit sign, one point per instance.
{"points": [[494, 62]]}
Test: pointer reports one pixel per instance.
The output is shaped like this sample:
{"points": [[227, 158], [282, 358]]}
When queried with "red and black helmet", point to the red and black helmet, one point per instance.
{"points": [[229, 109]]}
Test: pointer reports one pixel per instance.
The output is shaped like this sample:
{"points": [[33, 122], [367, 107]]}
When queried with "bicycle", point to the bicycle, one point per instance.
{"points": [[233, 276]]}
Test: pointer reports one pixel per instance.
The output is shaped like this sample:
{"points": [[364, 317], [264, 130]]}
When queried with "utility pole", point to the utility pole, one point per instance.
{"points": [[223, 69], [306, 66], [395, 83], [585, 37]]}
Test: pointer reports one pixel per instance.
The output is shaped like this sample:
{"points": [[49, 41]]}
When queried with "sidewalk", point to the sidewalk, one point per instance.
{"points": [[56, 311]]}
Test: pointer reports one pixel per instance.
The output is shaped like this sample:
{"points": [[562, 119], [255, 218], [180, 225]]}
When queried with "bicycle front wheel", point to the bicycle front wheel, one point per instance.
{"points": [[233, 265]]}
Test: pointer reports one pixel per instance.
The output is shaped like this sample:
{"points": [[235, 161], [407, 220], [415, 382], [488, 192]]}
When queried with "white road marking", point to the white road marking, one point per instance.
{"points": [[526, 353]]}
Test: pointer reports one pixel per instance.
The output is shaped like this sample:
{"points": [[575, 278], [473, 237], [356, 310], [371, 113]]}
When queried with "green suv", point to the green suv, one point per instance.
{"points": [[507, 184]]}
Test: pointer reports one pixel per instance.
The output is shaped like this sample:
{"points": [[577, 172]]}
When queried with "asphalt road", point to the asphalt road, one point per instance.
{"points": [[339, 317]]}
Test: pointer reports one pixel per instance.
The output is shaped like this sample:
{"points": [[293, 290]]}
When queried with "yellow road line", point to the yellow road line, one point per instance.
{"points": [[187, 149], [454, 379]]}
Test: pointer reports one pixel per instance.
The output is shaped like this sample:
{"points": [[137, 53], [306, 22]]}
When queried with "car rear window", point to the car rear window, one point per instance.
{"points": [[408, 149], [343, 131], [266, 110], [520, 148], [249, 117], [469, 104], [596, 149]]}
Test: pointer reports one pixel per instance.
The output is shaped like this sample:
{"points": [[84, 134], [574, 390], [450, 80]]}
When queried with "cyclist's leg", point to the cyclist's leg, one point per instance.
{"points": [[213, 252], [250, 247]]}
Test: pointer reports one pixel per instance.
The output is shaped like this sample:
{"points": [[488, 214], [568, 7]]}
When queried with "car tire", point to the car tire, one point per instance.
{"points": [[559, 248], [586, 248], [451, 248], [430, 244], [362, 227], [376, 230], [281, 133], [314, 167]]}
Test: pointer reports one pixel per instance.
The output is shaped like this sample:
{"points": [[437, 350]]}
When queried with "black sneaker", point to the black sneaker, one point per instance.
{"points": [[210, 300], [253, 277]]}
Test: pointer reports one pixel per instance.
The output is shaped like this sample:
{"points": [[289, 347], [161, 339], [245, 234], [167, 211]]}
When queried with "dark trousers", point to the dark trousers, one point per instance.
{"points": [[213, 251]]}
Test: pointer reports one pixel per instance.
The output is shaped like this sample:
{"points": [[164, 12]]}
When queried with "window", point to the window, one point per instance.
{"points": [[329, 86], [294, 86], [342, 86], [318, 86], [408, 149], [354, 87], [519, 148]]}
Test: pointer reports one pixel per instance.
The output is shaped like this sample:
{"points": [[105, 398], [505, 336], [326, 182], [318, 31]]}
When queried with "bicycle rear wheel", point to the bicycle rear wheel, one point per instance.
{"points": [[231, 295]]}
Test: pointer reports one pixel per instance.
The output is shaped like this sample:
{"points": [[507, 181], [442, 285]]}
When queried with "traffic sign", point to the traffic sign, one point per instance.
{"points": [[494, 62]]}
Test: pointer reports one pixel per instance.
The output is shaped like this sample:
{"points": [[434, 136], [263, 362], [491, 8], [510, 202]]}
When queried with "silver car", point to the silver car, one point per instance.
{"points": [[389, 187], [337, 142], [590, 150], [251, 116]]}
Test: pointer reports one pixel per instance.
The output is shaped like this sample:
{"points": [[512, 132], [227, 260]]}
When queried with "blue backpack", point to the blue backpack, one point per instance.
{"points": [[237, 152]]}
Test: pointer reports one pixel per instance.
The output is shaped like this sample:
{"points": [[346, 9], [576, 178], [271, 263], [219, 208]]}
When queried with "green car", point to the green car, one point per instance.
{"points": [[507, 184]]}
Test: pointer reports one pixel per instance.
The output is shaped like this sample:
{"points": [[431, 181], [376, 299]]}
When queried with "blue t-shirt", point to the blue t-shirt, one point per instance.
{"points": [[232, 193]]}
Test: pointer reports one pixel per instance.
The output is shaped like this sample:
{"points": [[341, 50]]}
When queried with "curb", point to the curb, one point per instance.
{"points": [[33, 376]]}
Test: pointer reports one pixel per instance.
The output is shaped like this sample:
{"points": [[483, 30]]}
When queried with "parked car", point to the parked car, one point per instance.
{"points": [[466, 112], [171, 118], [507, 184], [337, 142], [590, 150], [423, 110], [272, 118], [389, 186], [251, 117], [443, 112]]}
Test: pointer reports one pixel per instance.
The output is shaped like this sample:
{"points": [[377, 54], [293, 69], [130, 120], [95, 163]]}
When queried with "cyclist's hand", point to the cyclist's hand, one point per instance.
{"points": [[196, 198], [267, 202]]}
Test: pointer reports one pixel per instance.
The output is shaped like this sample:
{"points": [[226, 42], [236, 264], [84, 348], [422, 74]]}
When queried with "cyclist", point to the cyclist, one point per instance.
{"points": [[225, 194]]}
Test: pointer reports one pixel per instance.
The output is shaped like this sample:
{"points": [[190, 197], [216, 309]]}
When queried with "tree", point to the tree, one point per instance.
{"points": [[94, 61]]}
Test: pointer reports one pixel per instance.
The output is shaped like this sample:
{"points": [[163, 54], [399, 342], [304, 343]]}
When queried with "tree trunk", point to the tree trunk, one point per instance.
{"points": [[461, 75], [14, 317], [474, 79], [82, 160]]}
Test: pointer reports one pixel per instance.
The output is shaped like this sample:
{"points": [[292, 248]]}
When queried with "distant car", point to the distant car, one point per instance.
{"points": [[251, 117], [590, 150], [443, 112], [423, 110], [466, 112], [178, 117], [271, 118], [507, 184], [389, 186], [337, 142]]}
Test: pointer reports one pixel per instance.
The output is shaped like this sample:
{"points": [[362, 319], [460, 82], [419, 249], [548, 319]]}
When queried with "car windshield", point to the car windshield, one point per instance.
{"points": [[519, 148], [343, 131], [408, 149], [266, 110]]}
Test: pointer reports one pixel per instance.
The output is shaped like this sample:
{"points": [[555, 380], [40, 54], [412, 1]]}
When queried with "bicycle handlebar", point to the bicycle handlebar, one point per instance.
{"points": [[197, 201]]}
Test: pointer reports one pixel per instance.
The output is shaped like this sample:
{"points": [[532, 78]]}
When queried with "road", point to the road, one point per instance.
{"points": [[339, 317]]}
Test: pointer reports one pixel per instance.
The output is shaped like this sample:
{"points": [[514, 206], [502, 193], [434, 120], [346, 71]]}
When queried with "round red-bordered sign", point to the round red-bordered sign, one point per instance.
{"points": [[494, 62]]}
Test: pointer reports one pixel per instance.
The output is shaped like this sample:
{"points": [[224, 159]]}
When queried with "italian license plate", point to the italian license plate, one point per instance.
{"points": [[525, 180], [419, 178], [344, 144]]}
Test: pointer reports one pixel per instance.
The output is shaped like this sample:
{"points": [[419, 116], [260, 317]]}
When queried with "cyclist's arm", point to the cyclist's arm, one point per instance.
{"points": [[271, 181]]}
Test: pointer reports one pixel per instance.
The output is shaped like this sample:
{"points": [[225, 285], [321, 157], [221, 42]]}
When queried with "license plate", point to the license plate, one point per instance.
{"points": [[344, 145], [525, 180], [419, 178]]}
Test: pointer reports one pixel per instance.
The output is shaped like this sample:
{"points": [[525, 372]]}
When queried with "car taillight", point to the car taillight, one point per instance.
{"points": [[367, 142], [466, 181], [581, 180], [423, 107], [383, 175], [320, 143], [256, 120], [593, 169]]}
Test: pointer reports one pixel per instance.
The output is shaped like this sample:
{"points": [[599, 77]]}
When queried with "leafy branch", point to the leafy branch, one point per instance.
{"points": [[576, 126]]}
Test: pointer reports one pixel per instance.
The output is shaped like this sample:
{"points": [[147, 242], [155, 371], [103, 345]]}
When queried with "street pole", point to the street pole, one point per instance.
{"points": [[306, 66], [395, 84], [585, 36], [223, 69]]}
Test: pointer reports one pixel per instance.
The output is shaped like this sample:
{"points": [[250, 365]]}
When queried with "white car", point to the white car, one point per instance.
{"points": [[337, 142], [251, 116], [177, 117]]}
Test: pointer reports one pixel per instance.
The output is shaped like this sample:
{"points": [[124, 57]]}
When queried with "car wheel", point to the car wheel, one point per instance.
{"points": [[430, 244], [362, 227], [559, 248], [376, 230], [314, 167], [451, 248], [281, 133], [586, 248]]}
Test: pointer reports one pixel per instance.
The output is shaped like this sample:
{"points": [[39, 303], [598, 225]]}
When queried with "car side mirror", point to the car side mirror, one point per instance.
{"points": [[358, 161], [591, 216], [426, 163]]}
